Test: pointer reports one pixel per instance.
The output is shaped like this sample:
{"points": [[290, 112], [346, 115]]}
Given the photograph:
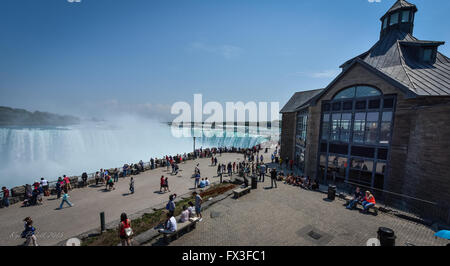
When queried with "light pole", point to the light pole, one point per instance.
{"points": [[195, 155]]}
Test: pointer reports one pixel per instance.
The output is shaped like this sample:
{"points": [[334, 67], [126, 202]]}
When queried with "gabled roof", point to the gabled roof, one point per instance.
{"points": [[400, 4], [392, 56], [299, 100]]}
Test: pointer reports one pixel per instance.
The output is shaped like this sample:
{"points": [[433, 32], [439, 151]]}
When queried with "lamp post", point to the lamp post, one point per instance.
{"points": [[195, 155]]}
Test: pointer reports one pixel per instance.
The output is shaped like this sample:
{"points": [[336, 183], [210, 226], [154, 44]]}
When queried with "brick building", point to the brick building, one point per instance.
{"points": [[382, 123]]}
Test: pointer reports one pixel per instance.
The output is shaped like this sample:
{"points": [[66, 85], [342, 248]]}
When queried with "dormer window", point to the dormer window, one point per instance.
{"points": [[427, 54], [394, 19]]}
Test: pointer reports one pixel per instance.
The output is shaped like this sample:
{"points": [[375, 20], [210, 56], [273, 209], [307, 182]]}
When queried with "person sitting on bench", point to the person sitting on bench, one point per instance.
{"points": [[357, 198], [170, 226], [184, 214], [368, 202]]}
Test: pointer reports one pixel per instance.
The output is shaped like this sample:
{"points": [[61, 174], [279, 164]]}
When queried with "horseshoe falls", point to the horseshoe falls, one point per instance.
{"points": [[29, 153]]}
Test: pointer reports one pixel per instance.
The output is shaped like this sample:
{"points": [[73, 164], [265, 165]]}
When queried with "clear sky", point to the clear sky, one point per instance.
{"points": [[143, 55]]}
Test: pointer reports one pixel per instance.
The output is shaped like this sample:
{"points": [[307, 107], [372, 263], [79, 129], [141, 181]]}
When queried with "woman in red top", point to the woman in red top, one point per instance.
{"points": [[124, 224], [369, 201], [162, 182]]}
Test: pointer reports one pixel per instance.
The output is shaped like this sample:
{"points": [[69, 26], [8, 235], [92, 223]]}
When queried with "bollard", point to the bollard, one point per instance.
{"points": [[386, 236], [102, 222]]}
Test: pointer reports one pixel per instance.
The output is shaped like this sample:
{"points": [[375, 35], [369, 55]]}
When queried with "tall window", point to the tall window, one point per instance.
{"points": [[385, 22], [405, 16], [356, 131], [371, 127], [385, 131], [359, 127], [346, 122], [326, 126], [302, 122], [394, 19]]}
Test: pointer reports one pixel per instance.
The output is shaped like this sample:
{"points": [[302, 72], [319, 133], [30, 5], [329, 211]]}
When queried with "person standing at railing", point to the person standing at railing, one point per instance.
{"points": [[5, 200], [44, 185], [84, 177], [97, 178], [67, 182], [59, 187], [116, 175]]}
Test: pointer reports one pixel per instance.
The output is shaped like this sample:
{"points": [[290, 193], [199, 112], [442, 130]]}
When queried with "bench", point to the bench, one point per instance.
{"points": [[241, 191], [181, 227], [374, 208]]}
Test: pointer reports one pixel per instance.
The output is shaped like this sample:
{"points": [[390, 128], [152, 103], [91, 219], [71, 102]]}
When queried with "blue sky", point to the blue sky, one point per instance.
{"points": [[143, 55]]}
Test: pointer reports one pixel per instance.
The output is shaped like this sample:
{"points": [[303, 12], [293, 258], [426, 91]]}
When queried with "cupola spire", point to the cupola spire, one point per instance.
{"points": [[399, 17]]}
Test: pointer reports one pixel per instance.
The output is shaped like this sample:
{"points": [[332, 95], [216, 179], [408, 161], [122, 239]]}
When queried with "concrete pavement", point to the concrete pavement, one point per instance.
{"points": [[54, 225]]}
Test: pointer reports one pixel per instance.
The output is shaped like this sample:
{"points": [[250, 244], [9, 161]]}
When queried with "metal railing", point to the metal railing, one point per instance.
{"points": [[405, 206], [157, 163]]}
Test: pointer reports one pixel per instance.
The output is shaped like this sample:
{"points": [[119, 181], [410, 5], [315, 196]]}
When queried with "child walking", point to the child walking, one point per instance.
{"points": [[132, 185], [65, 198]]}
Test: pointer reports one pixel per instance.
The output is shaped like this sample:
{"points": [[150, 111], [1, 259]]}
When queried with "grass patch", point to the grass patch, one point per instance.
{"points": [[150, 220]]}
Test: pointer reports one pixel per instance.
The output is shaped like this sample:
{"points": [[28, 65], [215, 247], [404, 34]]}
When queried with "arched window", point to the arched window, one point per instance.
{"points": [[357, 92]]}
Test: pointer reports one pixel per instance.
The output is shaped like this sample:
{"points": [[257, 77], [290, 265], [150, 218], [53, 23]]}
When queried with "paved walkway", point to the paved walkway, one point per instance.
{"points": [[287, 215], [54, 225]]}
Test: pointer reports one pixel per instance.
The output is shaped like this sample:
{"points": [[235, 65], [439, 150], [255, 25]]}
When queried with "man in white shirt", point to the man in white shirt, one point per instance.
{"points": [[44, 184], [170, 226]]}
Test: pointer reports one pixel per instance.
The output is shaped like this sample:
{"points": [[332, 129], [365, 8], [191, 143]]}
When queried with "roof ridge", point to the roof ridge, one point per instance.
{"points": [[402, 63]]}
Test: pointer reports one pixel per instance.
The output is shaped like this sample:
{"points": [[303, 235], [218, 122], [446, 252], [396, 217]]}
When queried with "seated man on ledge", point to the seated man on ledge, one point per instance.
{"points": [[170, 225], [357, 198]]}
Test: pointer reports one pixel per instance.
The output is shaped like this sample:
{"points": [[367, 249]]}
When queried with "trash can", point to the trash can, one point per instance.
{"points": [[386, 236], [254, 182], [331, 192]]}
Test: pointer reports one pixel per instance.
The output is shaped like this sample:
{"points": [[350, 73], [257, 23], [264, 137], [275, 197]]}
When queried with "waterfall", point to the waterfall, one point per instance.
{"points": [[27, 154]]}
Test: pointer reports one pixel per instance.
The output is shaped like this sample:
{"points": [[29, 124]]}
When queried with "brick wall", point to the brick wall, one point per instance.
{"points": [[288, 126]]}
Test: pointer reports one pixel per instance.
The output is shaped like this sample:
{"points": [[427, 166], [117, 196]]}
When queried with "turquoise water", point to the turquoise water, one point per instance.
{"points": [[27, 154]]}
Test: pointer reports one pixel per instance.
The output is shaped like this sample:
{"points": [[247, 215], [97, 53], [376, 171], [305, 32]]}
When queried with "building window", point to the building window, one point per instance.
{"points": [[336, 125], [346, 94], [302, 122], [357, 92], [326, 126], [385, 22], [385, 131], [359, 127], [361, 171], [346, 122], [427, 53], [371, 127], [356, 132], [394, 19], [405, 16]]}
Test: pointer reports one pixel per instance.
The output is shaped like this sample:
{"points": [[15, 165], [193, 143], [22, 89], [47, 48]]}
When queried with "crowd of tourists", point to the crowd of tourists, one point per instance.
{"points": [[34, 193]]}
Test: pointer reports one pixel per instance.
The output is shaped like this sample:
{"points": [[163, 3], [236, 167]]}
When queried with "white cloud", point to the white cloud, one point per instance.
{"points": [[225, 50], [374, 1]]}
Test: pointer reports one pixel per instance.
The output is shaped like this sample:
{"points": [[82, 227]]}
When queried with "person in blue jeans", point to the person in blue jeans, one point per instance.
{"points": [[197, 180], [65, 198], [5, 199], [357, 198], [368, 202]]}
